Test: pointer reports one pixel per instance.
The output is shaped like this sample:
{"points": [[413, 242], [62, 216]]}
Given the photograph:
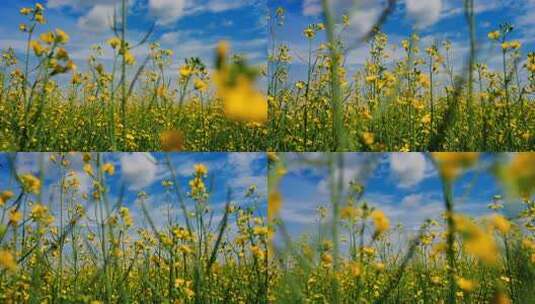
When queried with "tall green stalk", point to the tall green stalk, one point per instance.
{"points": [[336, 100]]}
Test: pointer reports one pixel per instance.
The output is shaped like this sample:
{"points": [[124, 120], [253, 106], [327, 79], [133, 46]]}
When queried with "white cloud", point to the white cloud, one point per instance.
{"points": [[412, 200], [138, 169], [244, 172], [311, 7], [408, 168], [78, 4], [243, 161], [98, 19], [166, 11], [216, 6], [423, 13]]}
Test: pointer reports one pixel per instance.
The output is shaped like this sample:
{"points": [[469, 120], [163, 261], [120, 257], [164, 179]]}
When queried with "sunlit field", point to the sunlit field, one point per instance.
{"points": [[86, 228], [137, 100], [401, 228], [410, 94]]}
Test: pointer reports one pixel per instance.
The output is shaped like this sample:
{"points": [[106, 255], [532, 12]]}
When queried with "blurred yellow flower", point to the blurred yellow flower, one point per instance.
{"points": [[466, 285], [108, 168], [500, 223], [520, 174], [114, 42], [495, 35], [30, 183], [15, 217], [129, 58], [380, 220], [185, 71], [5, 196], [47, 37], [7, 260], [200, 85], [38, 49], [450, 164], [172, 141], [243, 102], [274, 204], [61, 36], [200, 169]]}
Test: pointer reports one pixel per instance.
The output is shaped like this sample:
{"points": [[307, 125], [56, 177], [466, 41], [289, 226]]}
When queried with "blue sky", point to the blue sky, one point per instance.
{"points": [[431, 19], [145, 172], [188, 27], [405, 186]]}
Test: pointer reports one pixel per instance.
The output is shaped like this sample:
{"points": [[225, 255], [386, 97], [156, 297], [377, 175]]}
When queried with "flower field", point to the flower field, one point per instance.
{"points": [[78, 236], [125, 103], [412, 95], [353, 246]]}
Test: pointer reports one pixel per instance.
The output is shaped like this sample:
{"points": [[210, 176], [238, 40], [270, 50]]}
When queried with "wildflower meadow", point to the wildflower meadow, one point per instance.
{"points": [[373, 228], [130, 96], [85, 228], [339, 83]]}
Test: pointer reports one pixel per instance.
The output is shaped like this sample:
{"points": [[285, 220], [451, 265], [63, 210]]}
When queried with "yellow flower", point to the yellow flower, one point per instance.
{"points": [[7, 260], [380, 220], [426, 119], [368, 250], [129, 58], [345, 20], [272, 156], [349, 212], [515, 45], [186, 71], [476, 241], [501, 298], [521, 174], [200, 85], [257, 252], [61, 54], [309, 33], [61, 36], [5, 196], [30, 183], [88, 169], [466, 285], [424, 80], [25, 11], [70, 66], [200, 169], [450, 164], [114, 42], [15, 217], [40, 18], [39, 7], [274, 204], [243, 102], [47, 37], [368, 138], [260, 230], [500, 223], [326, 259], [355, 269], [189, 293], [39, 212], [38, 49], [494, 35], [108, 168], [172, 141]]}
